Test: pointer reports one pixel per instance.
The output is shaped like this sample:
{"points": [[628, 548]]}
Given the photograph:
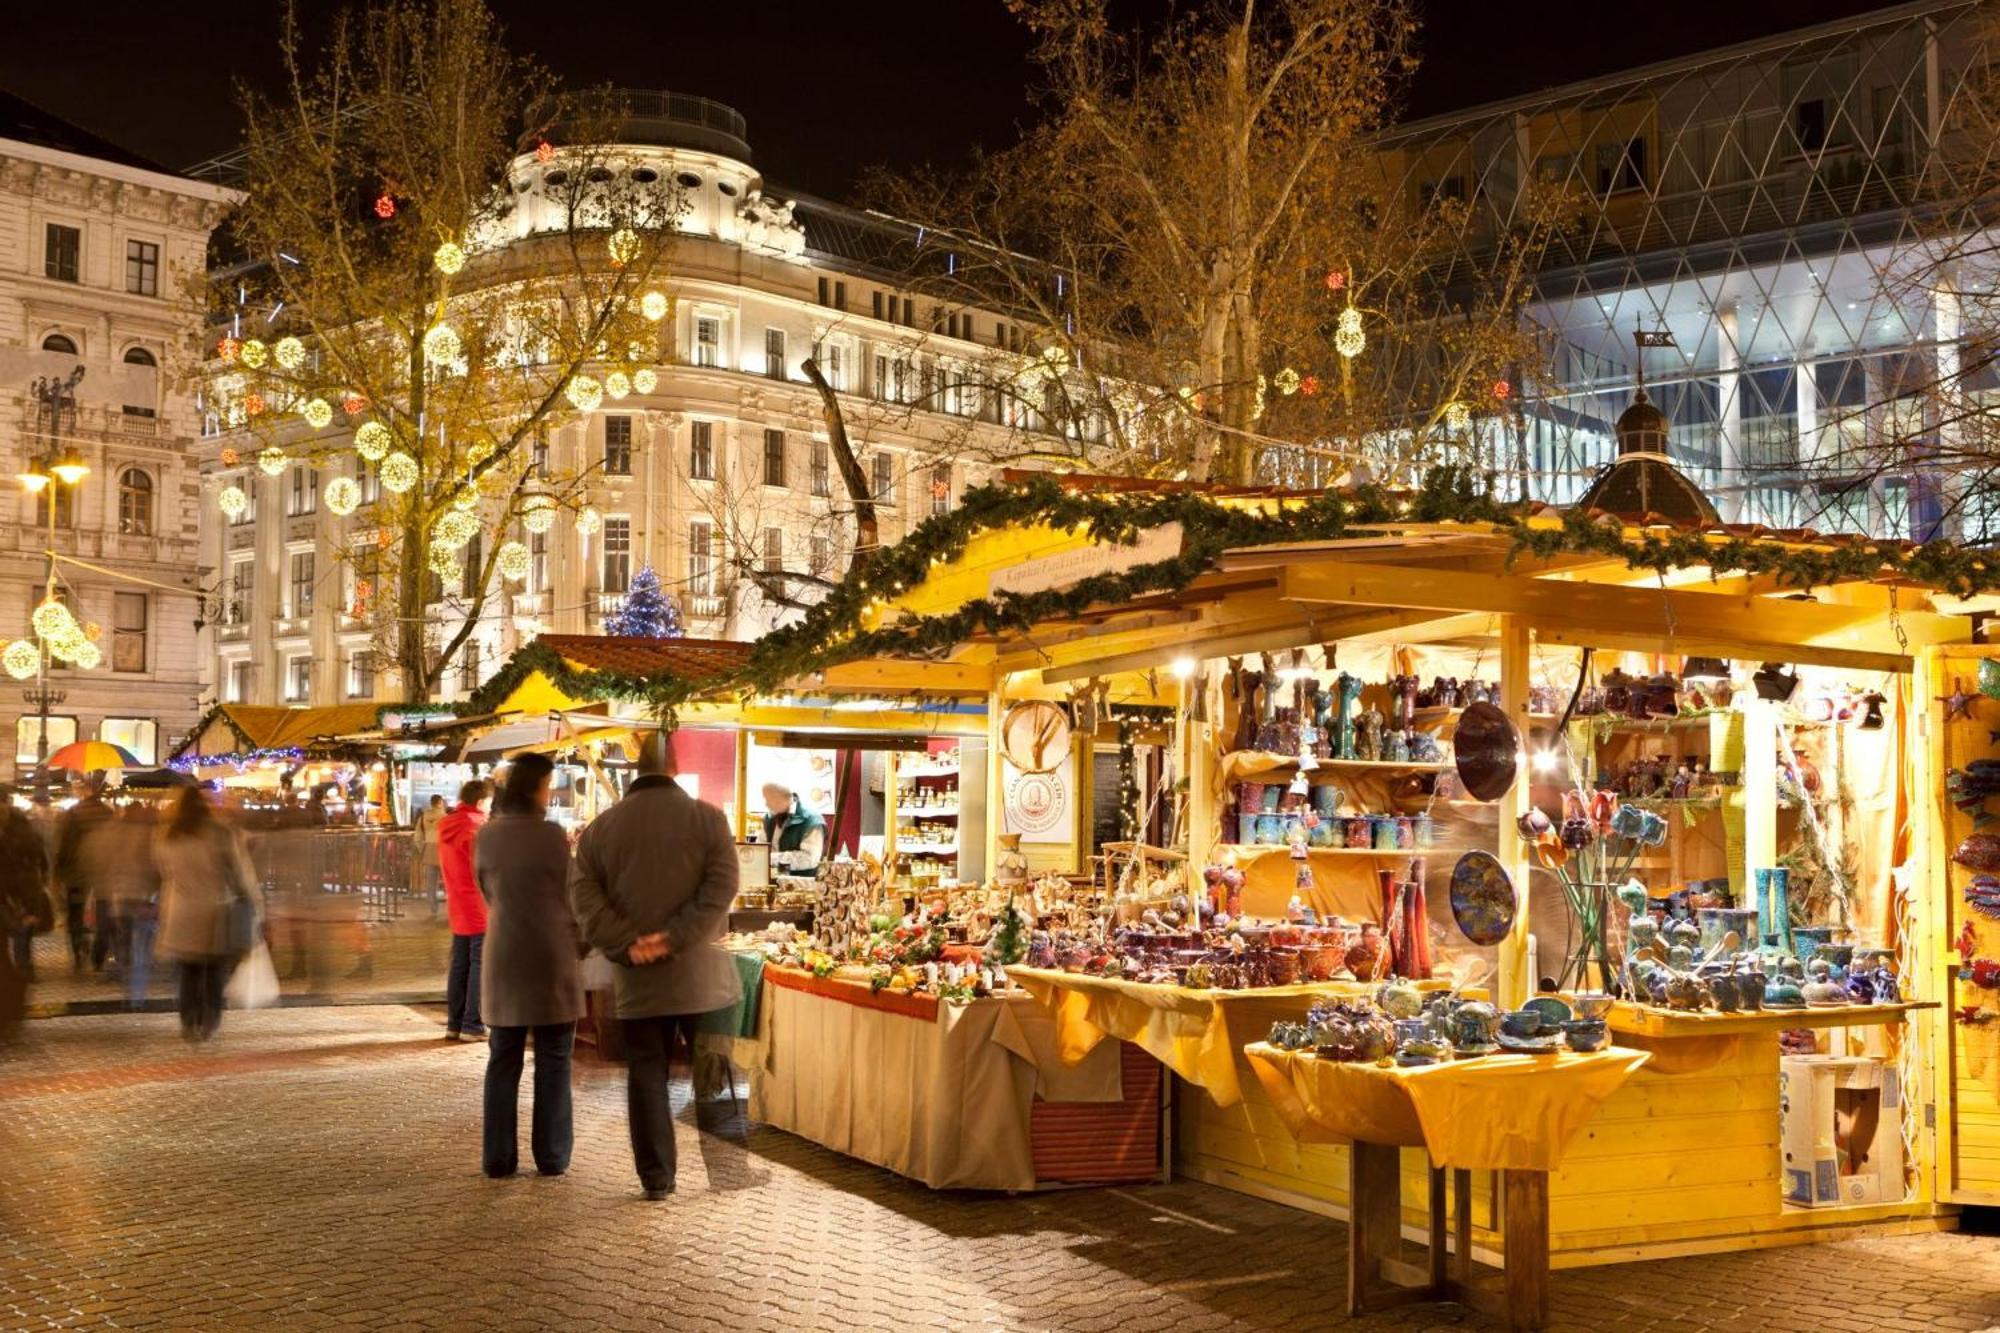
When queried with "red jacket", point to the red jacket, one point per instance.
{"points": [[462, 903]]}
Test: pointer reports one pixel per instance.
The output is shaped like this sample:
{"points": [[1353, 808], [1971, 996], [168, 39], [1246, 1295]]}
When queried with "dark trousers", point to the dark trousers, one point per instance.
{"points": [[649, 1104], [461, 986], [550, 1133], [201, 983], [77, 905]]}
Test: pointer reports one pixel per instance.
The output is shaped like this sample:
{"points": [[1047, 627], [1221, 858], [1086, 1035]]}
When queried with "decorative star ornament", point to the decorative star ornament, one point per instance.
{"points": [[1958, 704]]}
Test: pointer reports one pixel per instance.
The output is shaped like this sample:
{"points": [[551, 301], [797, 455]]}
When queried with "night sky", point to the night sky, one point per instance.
{"points": [[829, 89]]}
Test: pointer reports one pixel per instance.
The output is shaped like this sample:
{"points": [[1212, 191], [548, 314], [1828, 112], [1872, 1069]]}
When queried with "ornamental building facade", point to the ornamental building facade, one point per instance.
{"points": [[94, 243], [715, 469]]}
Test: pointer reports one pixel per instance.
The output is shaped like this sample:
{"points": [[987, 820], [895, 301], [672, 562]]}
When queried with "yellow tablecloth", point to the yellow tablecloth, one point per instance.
{"points": [[1186, 1030], [945, 1100], [1512, 1112]]}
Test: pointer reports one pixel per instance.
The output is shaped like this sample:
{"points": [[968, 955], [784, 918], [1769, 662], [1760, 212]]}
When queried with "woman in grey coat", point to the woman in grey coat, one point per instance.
{"points": [[530, 982]]}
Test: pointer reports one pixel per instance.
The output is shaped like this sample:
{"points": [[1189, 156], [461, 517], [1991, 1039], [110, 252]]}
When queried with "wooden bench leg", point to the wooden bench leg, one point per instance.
{"points": [[1437, 1232], [1374, 1228], [1527, 1236], [1461, 1221]]}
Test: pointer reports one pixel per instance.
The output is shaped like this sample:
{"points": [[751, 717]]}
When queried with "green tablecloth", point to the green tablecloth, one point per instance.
{"points": [[739, 1019]]}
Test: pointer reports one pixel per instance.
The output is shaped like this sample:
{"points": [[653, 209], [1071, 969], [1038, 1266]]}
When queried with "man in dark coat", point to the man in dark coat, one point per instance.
{"points": [[77, 831], [24, 904], [651, 886]]}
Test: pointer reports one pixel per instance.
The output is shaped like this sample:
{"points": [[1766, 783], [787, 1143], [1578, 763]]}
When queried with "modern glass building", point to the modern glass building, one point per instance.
{"points": [[1763, 204]]}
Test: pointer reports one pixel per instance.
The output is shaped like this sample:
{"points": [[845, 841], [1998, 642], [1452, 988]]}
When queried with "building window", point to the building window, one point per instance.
{"points": [[822, 470], [248, 485], [701, 451], [142, 268], [1809, 123], [617, 554], [361, 674], [138, 736], [129, 613], [472, 573], [240, 678], [541, 451], [884, 478], [538, 562], [298, 679], [701, 558], [1621, 166], [707, 340], [822, 557], [469, 666], [774, 457], [59, 342], [302, 585], [62, 730], [63, 258], [832, 365], [64, 498], [303, 498], [941, 489], [877, 305], [774, 354], [242, 592], [618, 446], [370, 480], [141, 384], [135, 503], [774, 550]]}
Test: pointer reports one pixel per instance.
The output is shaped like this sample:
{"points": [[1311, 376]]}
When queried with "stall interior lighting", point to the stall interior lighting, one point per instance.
{"points": [[1183, 667]]}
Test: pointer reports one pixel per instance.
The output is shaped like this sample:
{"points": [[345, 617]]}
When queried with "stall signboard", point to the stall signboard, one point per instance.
{"points": [[753, 864], [1040, 805], [1068, 568]]}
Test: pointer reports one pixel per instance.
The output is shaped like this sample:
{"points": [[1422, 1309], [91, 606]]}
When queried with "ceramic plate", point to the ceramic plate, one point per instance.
{"points": [[1553, 1011], [1485, 747], [1532, 1045], [1482, 898]]}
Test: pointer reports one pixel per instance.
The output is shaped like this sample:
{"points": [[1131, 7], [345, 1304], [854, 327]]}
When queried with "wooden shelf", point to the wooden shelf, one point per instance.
{"points": [[1435, 713], [1647, 1020], [1398, 765], [1254, 850]]}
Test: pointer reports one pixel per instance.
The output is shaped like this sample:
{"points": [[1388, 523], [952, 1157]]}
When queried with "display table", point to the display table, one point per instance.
{"points": [[947, 1093], [1511, 1113], [1189, 1031]]}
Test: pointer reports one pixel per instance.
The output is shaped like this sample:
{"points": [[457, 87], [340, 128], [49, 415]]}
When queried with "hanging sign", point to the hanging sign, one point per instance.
{"points": [[1039, 805], [1068, 568]]}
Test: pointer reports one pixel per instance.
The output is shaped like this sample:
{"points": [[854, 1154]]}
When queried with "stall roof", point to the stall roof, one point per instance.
{"points": [[693, 660], [267, 728]]}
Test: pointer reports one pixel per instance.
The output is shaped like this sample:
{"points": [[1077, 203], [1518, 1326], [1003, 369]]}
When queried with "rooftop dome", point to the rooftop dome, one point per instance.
{"points": [[1642, 483]]}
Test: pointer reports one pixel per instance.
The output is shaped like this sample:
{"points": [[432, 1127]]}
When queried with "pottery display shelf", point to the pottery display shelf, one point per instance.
{"points": [[1647, 1020], [1243, 851], [1514, 1114]]}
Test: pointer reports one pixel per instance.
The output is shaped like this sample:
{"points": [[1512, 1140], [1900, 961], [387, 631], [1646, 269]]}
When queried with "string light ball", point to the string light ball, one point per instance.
{"points": [[353, 404], [342, 496], [253, 354], [399, 472], [623, 247], [21, 658], [52, 619], [479, 450], [1502, 389], [1309, 386], [442, 344], [318, 413], [229, 456], [1457, 417], [1287, 381], [372, 440], [385, 206], [1335, 280], [618, 384], [449, 258], [253, 404], [512, 561], [545, 151], [653, 305], [232, 502], [645, 381], [584, 393], [289, 352], [467, 497], [87, 657], [93, 631], [1348, 339], [538, 513], [271, 460], [454, 529], [70, 647], [588, 521], [229, 349], [445, 563]]}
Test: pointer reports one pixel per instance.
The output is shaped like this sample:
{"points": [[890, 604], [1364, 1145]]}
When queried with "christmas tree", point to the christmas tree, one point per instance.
{"points": [[647, 613]]}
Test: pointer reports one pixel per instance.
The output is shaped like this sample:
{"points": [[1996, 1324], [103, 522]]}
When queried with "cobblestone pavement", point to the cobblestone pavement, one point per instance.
{"points": [[317, 1168]]}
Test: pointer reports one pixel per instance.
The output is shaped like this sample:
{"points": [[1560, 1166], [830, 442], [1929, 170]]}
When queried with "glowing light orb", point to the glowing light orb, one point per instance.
{"points": [[253, 354], [318, 413], [618, 384], [1457, 417], [289, 352], [342, 496], [1335, 280], [372, 440], [623, 247], [1501, 389], [584, 393], [229, 349], [645, 380], [253, 404], [229, 456], [449, 258], [445, 563], [1309, 386], [1348, 339], [232, 501], [87, 656], [454, 530], [399, 472], [22, 658], [385, 206], [271, 460], [52, 619], [511, 559], [653, 305], [442, 344], [353, 404], [545, 151], [588, 521], [538, 513], [1287, 381]]}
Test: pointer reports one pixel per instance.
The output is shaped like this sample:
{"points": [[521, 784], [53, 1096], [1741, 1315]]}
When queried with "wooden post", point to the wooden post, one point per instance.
{"points": [[890, 816], [1527, 1238], [1759, 794], [1515, 983], [1198, 764], [1461, 1222], [1438, 1270], [996, 774], [1374, 1224], [742, 804]]}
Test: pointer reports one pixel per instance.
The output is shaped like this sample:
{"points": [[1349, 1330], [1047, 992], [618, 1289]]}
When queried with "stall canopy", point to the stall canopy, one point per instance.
{"points": [[237, 729]]}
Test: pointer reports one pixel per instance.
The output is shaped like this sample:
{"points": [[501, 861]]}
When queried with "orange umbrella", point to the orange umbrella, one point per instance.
{"points": [[92, 757]]}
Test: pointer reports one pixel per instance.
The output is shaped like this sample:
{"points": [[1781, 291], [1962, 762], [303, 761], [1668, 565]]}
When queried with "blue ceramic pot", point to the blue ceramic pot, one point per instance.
{"points": [[1326, 800]]}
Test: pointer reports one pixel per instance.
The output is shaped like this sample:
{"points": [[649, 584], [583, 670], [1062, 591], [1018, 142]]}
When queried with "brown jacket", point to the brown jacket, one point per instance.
{"points": [[528, 976], [660, 860]]}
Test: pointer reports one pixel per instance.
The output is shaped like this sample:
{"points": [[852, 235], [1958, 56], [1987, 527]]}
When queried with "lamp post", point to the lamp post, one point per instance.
{"points": [[44, 476]]}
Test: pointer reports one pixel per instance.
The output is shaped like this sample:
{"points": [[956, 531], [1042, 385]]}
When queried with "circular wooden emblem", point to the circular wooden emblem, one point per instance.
{"points": [[1035, 736]]}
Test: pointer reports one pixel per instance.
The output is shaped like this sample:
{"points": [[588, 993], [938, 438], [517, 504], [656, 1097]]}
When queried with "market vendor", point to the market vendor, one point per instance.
{"points": [[797, 835]]}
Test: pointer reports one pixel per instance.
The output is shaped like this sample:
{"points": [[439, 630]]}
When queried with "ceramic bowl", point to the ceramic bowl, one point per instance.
{"points": [[1590, 1003], [1587, 1034], [1521, 1023]]}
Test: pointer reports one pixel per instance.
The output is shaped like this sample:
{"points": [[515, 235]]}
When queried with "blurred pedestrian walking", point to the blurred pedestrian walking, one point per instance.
{"points": [[25, 908], [126, 885], [76, 830], [211, 907], [651, 886], [424, 864], [465, 909], [529, 972]]}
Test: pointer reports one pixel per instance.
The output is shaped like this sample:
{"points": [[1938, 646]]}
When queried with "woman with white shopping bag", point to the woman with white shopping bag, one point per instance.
{"points": [[211, 908]]}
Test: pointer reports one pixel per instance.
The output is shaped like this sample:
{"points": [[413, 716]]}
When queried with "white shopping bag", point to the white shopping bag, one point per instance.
{"points": [[254, 984]]}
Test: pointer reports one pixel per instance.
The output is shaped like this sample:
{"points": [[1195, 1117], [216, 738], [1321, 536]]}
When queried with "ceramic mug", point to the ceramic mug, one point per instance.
{"points": [[1521, 1023]]}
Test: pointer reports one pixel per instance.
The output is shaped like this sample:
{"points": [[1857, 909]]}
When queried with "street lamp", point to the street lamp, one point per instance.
{"points": [[42, 475], [69, 469]]}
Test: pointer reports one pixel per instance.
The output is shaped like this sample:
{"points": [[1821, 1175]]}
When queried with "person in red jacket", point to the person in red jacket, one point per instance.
{"points": [[466, 910]]}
